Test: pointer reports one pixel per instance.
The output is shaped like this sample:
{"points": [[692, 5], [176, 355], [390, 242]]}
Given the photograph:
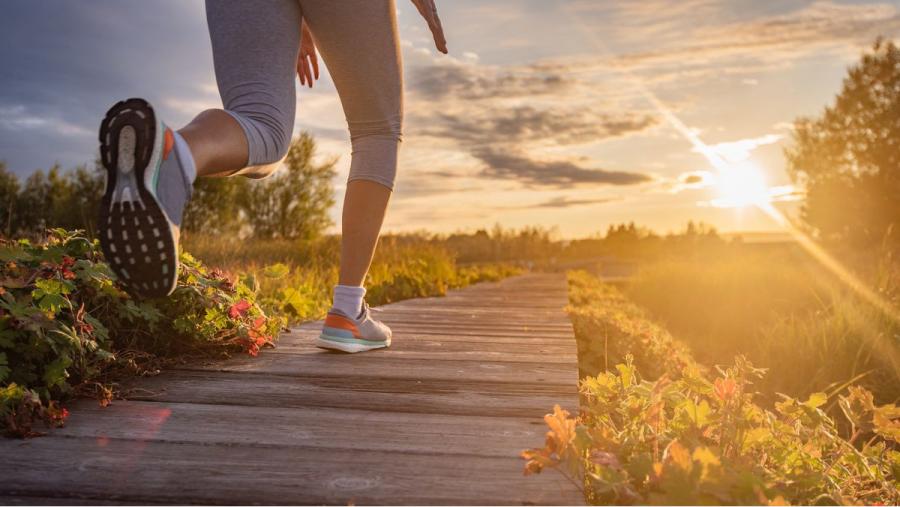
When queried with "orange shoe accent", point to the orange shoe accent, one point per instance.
{"points": [[339, 322], [168, 143]]}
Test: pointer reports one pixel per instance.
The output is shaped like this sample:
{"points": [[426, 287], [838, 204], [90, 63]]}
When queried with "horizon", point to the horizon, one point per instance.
{"points": [[560, 128]]}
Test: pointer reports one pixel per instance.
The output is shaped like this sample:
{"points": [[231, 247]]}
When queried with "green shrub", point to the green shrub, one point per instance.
{"points": [[608, 327], [67, 328], [686, 440]]}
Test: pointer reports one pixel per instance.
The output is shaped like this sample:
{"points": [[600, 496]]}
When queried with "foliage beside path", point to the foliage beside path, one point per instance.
{"points": [[657, 428]]}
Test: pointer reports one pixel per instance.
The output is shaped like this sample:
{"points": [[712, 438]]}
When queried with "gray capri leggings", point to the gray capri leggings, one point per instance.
{"points": [[255, 47]]}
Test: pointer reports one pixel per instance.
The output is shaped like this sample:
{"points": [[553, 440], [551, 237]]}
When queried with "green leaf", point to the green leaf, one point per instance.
{"points": [[627, 374], [7, 338], [278, 270], [52, 286], [14, 253], [55, 372], [816, 400], [699, 414], [755, 436], [4, 367]]}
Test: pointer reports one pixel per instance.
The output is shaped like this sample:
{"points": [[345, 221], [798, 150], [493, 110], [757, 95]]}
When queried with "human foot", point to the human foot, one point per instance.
{"points": [[150, 173], [349, 334]]}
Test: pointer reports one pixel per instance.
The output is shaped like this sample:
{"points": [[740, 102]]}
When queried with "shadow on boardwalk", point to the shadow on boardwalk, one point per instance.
{"points": [[437, 419]]}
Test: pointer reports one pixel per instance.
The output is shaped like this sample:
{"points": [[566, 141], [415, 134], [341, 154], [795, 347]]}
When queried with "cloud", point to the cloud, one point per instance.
{"points": [[714, 36], [553, 173], [527, 124], [458, 80], [65, 63], [562, 202], [740, 150], [692, 180], [423, 184], [17, 118], [504, 116]]}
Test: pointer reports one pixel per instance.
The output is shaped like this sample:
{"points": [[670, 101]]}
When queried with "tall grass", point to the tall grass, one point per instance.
{"points": [[296, 277], [784, 314]]}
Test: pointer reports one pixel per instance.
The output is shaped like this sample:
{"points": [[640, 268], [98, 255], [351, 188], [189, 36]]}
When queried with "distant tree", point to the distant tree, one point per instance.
{"points": [[215, 206], [848, 159], [34, 203], [291, 204], [57, 198], [294, 202], [76, 196], [9, 194]]}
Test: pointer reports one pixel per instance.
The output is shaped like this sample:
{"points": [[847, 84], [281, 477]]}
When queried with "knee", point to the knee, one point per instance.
{"points": [[387, 129], [375, 145], [268, 134]]}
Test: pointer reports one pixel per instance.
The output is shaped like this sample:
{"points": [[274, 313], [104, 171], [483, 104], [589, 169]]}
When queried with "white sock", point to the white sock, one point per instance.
{"points": [[348, 299], [185, 157]]}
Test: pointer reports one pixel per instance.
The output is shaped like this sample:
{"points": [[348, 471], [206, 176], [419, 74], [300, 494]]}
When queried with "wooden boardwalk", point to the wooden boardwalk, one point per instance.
{"points": [[439, 418]]}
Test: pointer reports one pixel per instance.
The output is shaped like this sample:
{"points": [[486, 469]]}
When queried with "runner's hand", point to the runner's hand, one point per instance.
{"points": [[307, 62], [429, 11]]}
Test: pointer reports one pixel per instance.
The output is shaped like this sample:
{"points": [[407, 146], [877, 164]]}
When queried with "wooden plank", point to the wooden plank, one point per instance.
{"points": [[402, 330], [139, 471], [435, 354], [409, 332], [65, 499], [456, 397], [336, 365], [324, 428], [468, 349]]}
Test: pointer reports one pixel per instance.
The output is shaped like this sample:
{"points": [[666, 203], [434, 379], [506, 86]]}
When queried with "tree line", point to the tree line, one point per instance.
{"points": [[291, 204]]}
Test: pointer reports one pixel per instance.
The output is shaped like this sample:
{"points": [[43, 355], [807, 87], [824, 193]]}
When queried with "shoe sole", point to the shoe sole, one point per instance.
{"points": [[351, 347], [137, 238]]}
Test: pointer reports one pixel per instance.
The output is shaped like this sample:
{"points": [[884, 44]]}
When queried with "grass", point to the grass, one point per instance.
{"points": [[783, 314], [296, 277]]}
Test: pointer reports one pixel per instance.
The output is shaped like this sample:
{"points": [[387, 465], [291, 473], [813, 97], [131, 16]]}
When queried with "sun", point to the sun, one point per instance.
{"points": [[740, 185]]}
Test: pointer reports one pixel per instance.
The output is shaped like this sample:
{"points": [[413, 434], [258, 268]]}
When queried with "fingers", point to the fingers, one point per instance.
{"points": [[437, 30], [307, 72], [428, 10], [308, 69]]}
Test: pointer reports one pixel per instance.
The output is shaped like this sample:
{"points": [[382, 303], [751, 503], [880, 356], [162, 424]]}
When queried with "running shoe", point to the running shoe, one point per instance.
{"points": [[348, 334], [146, 192]]}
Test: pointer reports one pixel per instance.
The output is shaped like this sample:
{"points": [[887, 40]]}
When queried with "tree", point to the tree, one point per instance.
{"points": [[293, 203], [848, 159], [87, 186], [33, 203], [215, 207], [9, 192]]}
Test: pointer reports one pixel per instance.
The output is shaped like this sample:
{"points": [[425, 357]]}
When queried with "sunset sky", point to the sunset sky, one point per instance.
{"points": [[551, 113]]}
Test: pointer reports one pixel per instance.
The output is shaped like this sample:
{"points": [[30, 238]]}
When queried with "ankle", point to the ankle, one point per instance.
{"points": [[348, 299]]}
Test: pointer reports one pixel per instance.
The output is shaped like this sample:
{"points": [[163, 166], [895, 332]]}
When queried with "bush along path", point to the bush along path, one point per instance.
{"points": [[657, 429], [67, 328]]}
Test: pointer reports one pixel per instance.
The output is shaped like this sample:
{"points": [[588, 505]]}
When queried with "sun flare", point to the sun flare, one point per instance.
{"points": [[741, 185]]}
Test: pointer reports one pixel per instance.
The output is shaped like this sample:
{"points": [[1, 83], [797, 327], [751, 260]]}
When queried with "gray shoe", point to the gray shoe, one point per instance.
{"points": [[146, 192], [349, 334]]}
